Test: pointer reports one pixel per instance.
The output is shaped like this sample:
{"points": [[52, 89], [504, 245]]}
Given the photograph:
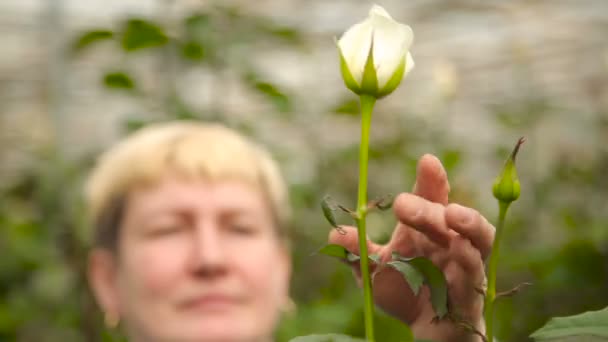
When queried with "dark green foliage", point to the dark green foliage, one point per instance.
{"points": [[140, 34], [90, 37], [118, 80]]}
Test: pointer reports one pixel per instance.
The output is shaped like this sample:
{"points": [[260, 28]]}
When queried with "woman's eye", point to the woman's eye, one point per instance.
{"points": [[242, 228], [167, 229]]}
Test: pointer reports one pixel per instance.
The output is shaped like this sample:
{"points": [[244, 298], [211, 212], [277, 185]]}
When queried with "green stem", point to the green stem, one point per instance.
{"points": [[367, 106], [491, 291]]}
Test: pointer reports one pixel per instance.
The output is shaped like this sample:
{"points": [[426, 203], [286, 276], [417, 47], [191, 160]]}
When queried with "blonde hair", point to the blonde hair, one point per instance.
{"points": [[191, 149]]}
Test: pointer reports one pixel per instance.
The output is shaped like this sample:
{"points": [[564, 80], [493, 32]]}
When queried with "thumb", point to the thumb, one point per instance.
{"points": [[349, 239]]}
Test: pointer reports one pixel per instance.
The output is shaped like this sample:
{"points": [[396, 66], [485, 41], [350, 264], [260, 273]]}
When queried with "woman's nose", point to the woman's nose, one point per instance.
{"points": [[208, 253]]}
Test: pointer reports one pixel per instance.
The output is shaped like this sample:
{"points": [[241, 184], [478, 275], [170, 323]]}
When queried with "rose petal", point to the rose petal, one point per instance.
{"points": [[391, 43], [355, 44]]}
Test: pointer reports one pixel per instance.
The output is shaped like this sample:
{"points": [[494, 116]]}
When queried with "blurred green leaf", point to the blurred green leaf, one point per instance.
{"points": [[585, 325], [386, 328], [348, 106], [285, 34], [326, 338], [279, 99], [414, 278], [90, 37], [197, 26], [434, 278], [334, 251], [193, 51], [132, 125], [450, 159], [140, 34], [118, 80]]}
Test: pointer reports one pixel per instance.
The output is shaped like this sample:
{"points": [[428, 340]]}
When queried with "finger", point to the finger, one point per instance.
{"points": [[463, 290], [472, 225], [432, 180], [424, 216], [466, 255], [407, 241]]}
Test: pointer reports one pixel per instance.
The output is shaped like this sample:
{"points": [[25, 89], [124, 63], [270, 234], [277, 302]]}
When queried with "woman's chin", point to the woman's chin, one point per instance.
{"points": [[217, 327]]}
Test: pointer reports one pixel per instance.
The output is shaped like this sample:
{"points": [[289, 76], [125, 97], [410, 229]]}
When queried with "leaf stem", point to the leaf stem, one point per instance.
{"points": [[491, 291], [367, 106]]}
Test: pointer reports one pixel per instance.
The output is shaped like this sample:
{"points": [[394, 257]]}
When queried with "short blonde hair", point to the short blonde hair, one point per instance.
{"points": [[192, 149]]}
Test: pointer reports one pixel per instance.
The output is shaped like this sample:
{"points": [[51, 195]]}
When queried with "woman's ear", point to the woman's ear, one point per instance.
{"points": [[102, 269]]}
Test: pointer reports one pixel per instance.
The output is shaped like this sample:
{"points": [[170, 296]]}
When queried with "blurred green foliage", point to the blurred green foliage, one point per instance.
{"points": [[43, 291]]}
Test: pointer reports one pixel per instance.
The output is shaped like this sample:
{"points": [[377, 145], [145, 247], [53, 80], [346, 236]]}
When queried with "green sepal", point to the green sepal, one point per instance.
{"points": [[347, 76], [395, 80], [369, 82]]}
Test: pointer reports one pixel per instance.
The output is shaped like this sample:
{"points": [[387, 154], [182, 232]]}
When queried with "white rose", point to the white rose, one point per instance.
{"points": [[374, 54]]}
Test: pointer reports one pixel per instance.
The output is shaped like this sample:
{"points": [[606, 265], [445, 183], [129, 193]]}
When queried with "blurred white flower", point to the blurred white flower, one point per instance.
{"points": [[446, 78], [375, 55]]}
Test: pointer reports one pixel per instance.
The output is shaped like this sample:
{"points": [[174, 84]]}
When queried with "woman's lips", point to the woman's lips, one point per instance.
{"points": [[212, 302]]}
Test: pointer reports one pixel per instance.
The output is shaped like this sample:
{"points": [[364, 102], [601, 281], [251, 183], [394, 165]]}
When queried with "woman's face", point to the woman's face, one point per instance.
{"points": [[198, 261]]}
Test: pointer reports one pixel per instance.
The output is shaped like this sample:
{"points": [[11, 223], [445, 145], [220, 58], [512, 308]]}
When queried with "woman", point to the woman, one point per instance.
{"points": [[190, 241]]}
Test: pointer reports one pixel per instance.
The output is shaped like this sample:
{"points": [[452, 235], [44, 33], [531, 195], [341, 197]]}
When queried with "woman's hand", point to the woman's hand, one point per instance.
{"points": [[457, 239]]}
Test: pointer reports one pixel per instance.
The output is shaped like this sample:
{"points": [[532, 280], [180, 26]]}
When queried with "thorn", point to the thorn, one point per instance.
{"points": [[513, 291], [348, 211], [382, 203], [466, 325], [340, 230], [481, 291]]}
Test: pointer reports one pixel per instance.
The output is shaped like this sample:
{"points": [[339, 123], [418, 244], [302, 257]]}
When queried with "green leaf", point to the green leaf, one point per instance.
{"points": [[328, 212], [434, 278], [334, 250], [118, 80], [198, 26], [349, 107], [90, 37], [193, 51], [414, 278], [279, 99], [352, 257], [326, 338], [340, 252], [374, 257], [132, 125], [140, 34], [588, 324], [287, 34], [451, 159]]}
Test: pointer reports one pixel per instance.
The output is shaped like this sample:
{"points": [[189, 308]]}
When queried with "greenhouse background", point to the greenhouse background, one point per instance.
{"points": [[77, 75]]}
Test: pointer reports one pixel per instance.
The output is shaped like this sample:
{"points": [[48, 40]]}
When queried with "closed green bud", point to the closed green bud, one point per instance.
{"points": [[506, 187]]}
